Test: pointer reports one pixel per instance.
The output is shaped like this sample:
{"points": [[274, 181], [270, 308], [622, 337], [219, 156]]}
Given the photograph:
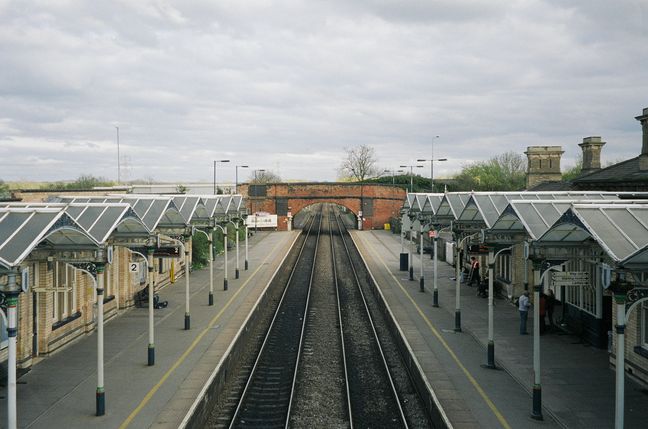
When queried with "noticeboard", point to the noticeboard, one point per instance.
{"points": [[570, 278]]}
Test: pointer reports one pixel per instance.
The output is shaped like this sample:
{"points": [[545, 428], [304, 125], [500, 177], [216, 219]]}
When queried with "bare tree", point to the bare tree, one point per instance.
{"points": [[264, 177], [359, 163]]}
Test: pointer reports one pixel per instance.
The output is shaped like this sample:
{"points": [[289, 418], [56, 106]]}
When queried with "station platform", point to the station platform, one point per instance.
{"points": [[59, 392], [578, 386]]}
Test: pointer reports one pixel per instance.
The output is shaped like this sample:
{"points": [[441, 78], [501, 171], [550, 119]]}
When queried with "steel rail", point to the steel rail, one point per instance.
{"points": [[373, 327], [339, 307], [269, 331], [303, 328]]}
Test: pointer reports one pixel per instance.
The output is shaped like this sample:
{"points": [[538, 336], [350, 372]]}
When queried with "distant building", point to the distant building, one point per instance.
{"points": [[543, 172]]}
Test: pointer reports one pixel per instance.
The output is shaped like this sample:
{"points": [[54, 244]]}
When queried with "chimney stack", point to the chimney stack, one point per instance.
{"points": [[643, 158], [543, 164], [591, 147]]}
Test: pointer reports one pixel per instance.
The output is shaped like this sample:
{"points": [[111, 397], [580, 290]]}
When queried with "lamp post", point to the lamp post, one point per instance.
{"points": [[236, 228], [261, 170], [215, 161], [458, 282], [118, 158], [148, 260], [236, 183], [224, 229], [11, 291], [411, 167], [492, 256], [209, 235], [431, 160], [393, 174]]}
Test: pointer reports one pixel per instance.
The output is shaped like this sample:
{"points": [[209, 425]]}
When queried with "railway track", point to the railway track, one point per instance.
{"points": [[326, 359]]}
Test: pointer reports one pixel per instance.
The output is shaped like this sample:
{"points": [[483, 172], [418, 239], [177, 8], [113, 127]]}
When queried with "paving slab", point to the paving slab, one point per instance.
{"points": [[578, 386], [59, 392]]}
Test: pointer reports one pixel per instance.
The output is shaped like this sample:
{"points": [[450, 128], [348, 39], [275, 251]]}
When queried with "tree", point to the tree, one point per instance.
{"points": [[264, 177], [4, 190], [181, 189], [85, 181], [505, 172], [359, 163], [573, 172]]}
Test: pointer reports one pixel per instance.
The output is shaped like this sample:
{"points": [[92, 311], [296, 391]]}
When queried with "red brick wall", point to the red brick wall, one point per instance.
{"points": [[387, 200]]}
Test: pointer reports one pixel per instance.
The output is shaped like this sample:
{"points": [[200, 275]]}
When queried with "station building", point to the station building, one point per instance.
{"points": [[594, 226], [58, 302]]}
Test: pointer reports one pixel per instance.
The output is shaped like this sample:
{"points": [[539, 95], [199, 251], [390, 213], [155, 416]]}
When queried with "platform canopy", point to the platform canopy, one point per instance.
{"points": [[159, 214], [425, 203], [621, 230], [535, 217], [192, 208], [22, 230], [451, 206], [483, 209], [101, 220]]}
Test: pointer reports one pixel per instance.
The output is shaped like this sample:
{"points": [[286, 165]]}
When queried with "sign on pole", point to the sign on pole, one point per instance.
{"points": [[570, 278], [134, 267]]}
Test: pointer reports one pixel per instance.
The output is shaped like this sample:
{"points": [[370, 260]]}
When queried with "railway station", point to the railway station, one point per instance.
{"points": [[86, 346]]}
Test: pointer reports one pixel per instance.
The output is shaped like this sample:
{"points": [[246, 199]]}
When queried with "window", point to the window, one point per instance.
{"points": [[503, 267], [585, 298], [64, 293]]}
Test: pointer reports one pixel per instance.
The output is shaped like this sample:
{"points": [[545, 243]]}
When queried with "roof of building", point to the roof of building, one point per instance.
{"points": [[624, 171]]}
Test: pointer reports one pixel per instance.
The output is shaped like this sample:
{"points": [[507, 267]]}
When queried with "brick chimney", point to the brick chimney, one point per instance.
{"points": [[543, 164], [591, 147], [643, 158]]}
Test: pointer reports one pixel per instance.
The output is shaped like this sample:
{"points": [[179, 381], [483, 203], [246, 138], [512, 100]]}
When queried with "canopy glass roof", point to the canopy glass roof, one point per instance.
{"points": [[23, 229]]}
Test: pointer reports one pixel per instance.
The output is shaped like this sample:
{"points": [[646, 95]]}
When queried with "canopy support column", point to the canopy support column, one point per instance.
{"points": [[187, 318], [12, 332], [435, 295], [210, 240], [246, 247], [237, 272], [101, 392]]}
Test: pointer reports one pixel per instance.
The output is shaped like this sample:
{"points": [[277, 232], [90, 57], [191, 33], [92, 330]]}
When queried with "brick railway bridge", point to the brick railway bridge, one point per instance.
{"points": [[377, 203]]}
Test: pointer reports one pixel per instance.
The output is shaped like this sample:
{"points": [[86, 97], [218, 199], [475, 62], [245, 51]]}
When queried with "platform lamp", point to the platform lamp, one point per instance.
{"points": [[411, 167], [11, 290], [393, 174], [431, 160], [236, 183], [216, 161], [261, 170]]}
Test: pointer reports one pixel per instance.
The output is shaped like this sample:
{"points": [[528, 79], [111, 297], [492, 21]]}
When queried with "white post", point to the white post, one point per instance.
{"points": [[491, 333], [537, 388], [236, 272], [101, 393], [435, 296], [151, 294], [457, 290], [411, 262], [211, 267], [619, 406], [246, 247], [12, 332], [225, 245], [187, 319], [422, 279]]}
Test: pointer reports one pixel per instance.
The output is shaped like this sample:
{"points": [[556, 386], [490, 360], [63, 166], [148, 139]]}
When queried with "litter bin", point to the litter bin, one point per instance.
{"points": [[404, 261]]}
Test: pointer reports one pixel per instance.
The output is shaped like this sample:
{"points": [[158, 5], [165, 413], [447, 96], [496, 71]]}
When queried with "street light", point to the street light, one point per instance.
{"points": [[236, 183], [393, 174], [431, 161], [411, 167], [261, 170], [215, 161], [118, 161]]}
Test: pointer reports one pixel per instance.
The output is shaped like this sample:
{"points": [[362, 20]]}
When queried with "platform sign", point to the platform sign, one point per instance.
{"points": [[570, 278], [261, 220], [133, 267]]}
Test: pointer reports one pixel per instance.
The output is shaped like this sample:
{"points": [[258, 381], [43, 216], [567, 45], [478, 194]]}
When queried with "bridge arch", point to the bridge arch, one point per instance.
{"points": [[377, 202]]}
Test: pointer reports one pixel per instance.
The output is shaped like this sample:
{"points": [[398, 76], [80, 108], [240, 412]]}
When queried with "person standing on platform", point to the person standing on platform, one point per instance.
{"points": [[474, 271], [523, 307]]}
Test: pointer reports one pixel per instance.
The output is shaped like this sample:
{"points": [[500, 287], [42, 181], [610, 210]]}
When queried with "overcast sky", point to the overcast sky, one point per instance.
{"points": [[286, 85]]}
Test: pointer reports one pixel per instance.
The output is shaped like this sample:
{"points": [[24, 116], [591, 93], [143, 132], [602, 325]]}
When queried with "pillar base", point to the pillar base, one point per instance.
{"points": [[457, 321], [236, 273], [101, 401], [246, 265], [422, 284], [187, 321], [224, 284], [210, 301], [151, 355], [411, 273], [435, 298], [536, 414], [491, 356]]}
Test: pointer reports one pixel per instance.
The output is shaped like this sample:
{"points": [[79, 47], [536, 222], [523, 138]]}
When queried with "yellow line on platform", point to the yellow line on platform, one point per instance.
{"points": [[193, 345], [436, 333]]}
